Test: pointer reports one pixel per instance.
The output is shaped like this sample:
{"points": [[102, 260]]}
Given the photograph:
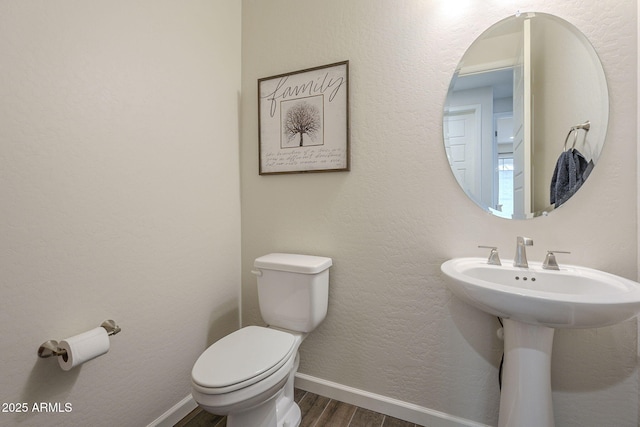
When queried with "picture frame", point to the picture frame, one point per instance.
{"points": [[303, 120]]}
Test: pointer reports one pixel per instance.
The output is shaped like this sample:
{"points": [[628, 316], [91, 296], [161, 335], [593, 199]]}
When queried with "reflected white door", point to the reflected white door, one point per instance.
{"points": [[522, 193], [462, 127]]}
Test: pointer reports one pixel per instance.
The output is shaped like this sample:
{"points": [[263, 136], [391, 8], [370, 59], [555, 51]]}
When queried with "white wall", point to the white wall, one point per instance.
{"points": [[119, 189], [392, 327], [579, 74]]}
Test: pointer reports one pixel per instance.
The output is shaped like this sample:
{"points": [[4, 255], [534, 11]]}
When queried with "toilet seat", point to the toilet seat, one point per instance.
{"points": [[241, 359]]}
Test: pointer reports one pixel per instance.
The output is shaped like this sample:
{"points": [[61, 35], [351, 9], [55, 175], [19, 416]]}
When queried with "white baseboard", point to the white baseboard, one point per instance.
{"points": [[385, 405], [175, 413], [374, 402]]}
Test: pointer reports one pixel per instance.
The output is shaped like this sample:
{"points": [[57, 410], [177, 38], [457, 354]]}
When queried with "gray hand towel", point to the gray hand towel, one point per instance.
{"points": [[572, 169]]}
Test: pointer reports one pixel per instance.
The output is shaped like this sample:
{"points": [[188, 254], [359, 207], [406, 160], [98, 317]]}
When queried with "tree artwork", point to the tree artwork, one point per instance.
{"points": [[303, 118]]}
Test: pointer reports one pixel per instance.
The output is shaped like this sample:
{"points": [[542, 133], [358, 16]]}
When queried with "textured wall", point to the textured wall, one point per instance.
{"points": [[119, 189], [392, 327]]}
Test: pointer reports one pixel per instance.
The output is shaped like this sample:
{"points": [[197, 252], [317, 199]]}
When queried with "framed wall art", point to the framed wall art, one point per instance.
{"points": [[303, 120]]}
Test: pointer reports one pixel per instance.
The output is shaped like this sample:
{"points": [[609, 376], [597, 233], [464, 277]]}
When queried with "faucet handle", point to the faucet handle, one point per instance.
{"points": [[494, 257], [550, 262]]}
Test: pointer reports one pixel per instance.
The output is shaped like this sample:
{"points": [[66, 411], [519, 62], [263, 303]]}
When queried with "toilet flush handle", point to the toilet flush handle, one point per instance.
{"points": [[257, 272]]}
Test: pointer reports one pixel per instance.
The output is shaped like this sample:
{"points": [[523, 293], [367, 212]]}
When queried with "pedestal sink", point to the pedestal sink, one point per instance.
{"points": [[533, 302]]}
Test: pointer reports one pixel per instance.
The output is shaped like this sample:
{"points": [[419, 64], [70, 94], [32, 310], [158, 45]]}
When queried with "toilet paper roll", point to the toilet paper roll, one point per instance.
{"points": [[83, 347]]}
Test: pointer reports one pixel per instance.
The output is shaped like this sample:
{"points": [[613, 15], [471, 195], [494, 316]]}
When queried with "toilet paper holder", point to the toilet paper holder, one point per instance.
{"points": [[50, 348]]}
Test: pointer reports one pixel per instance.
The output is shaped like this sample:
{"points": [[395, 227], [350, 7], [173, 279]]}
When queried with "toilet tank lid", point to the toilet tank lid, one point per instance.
{"points": [[295, 263]]}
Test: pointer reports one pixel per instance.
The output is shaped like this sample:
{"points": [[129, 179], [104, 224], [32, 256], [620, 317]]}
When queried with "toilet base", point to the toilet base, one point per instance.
{"points": [[280, 410], [289, 414], [291, 418]]}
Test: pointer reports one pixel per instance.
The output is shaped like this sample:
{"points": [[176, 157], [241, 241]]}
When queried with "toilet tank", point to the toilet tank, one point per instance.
{"points": [[293, 290]]}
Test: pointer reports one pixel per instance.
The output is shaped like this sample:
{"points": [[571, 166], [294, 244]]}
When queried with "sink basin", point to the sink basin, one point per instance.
{"points": [[573, 297]]}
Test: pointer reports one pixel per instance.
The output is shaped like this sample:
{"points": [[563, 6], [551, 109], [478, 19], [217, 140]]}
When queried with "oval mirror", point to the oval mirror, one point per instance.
{"points": [[526, 115]]}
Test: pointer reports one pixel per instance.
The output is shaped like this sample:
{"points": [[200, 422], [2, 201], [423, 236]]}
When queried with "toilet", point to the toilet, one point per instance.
{"points": [[248, 375]]}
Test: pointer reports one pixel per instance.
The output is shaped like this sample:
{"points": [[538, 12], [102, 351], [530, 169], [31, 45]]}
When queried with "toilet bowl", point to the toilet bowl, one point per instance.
{"points": [[257, 364], [249, 375]]}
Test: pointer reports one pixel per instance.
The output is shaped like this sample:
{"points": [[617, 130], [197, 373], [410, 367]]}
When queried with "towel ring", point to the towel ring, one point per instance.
{"points": [[584, 126]]}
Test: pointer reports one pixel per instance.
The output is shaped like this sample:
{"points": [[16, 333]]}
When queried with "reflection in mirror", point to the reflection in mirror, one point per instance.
{"points": [[526, 115]]}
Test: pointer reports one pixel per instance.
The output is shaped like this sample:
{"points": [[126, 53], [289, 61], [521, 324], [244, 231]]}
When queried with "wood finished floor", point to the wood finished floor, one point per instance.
{"points": [[317, 411]]}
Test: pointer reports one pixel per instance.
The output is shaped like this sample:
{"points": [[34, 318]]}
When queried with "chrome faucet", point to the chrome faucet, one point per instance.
{"points": [[521, 253]]}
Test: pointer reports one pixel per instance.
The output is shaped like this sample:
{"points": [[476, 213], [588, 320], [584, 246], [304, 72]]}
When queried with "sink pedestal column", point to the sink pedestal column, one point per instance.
{"points": [[525, 399]]}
